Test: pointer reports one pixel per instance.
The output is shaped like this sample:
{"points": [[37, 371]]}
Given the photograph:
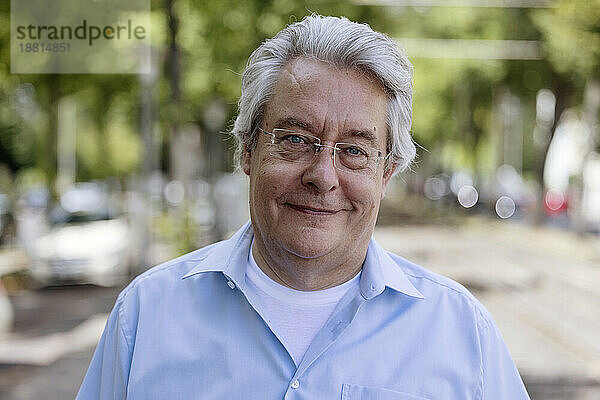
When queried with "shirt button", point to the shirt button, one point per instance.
{"points": [[295, 384], [231, 284]]}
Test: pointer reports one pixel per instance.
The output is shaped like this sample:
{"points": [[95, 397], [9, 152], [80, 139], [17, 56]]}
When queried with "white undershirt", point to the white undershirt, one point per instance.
{"points": [[294, 316]]}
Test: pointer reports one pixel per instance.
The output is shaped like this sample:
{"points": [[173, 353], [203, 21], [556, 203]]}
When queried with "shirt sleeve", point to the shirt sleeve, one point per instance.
{"points": [[500, 378], [108, 372]]}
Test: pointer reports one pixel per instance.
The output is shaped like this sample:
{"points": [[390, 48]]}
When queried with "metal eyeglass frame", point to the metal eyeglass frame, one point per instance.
{"points": [[316, 143]]}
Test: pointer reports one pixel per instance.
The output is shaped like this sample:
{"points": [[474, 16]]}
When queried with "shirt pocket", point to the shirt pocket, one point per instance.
{"points": [[357, 392]]}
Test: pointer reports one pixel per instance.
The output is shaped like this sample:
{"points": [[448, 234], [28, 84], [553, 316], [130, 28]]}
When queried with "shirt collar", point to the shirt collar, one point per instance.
{"points": [[230, 258], [380, 271]]}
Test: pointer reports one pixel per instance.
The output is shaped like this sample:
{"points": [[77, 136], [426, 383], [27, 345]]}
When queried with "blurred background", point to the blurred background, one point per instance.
{"points": [[103, 176]]}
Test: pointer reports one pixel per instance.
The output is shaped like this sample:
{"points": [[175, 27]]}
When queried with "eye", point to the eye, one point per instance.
{"points": [[292, 140], [355, 151], [295, 139]]}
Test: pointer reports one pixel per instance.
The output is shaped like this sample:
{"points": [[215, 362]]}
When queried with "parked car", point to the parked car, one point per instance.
{"points": [[88, 242]]}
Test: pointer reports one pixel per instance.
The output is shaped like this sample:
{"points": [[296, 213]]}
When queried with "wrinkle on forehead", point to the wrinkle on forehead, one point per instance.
{"points": [[349, 71], [291, 67], [288, 73], [300, 77]]}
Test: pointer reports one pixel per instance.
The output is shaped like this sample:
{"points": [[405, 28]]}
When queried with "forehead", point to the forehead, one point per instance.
{"points": [[328, 100]]}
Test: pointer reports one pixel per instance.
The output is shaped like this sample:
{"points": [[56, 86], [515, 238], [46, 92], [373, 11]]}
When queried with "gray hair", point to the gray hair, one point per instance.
{"points": [[342, 43]]}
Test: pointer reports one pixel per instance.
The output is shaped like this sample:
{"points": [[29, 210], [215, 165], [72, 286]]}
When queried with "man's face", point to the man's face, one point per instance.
{"points": [[315, 210]]}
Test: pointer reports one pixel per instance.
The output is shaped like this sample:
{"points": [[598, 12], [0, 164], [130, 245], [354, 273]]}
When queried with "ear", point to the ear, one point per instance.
{"points": [[246, 160], [387, 175]]}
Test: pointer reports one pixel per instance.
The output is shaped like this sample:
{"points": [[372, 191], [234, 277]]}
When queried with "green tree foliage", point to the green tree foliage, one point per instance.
{"points": [[453, 104], [571, 33]]}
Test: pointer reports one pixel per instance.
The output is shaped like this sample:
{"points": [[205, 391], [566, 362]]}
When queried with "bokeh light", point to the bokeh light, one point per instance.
{"points": [[467, 196], [505, 207]]}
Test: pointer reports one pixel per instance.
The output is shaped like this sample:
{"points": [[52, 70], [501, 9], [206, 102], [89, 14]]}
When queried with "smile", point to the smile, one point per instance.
{"points": [[311, 210]]}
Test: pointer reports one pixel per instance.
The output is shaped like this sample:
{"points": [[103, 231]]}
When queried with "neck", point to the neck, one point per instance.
{"points": [[307, 274]]}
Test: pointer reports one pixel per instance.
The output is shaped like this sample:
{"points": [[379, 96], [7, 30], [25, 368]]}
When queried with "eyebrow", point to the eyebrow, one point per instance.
{"points": [[291, 122], [363, 133], [295, 122]]}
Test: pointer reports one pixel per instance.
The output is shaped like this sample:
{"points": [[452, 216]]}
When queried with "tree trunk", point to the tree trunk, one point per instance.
{"points": [[591, 105], [173, 70]]}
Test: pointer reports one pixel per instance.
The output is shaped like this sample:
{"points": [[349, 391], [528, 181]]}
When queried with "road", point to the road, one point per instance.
{"points": [[539, 284]]}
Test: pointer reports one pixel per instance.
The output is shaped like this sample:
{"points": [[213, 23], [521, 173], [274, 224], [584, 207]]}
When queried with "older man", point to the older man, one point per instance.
{"points": [[301, 303]]}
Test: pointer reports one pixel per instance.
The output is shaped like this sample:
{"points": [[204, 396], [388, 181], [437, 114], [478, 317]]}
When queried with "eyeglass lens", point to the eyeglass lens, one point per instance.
{"points": [[351, 157]]}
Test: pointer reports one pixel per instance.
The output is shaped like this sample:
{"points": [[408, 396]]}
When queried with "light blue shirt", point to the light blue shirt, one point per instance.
{"points": [[187, 330]]}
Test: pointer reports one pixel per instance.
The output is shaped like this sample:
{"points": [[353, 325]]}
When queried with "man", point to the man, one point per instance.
{"points": [[301, 303]]}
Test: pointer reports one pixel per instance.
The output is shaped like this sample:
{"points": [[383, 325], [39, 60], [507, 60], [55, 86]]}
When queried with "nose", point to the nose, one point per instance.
{"points": [[321, 174]]}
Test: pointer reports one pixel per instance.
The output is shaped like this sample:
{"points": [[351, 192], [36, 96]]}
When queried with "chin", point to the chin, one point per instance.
{"points": [[311, 253], [309, 243]]}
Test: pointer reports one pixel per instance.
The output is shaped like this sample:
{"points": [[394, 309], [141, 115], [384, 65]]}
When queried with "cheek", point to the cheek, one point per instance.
{"points": [[367, 194], [271, 181]]}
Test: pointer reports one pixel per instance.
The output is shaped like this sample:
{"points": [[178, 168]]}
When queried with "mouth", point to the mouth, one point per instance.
{"points": [[311, 210]]}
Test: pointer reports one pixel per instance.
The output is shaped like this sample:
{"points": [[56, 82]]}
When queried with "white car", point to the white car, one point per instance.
{"points": [[84, 244]]}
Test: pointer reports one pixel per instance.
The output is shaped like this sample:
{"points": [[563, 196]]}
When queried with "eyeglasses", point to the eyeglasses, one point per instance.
{"points": [[293, 146]]}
